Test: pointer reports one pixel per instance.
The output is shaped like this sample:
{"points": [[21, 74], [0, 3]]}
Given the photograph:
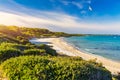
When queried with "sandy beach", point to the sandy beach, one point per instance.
{"points": [[64, 48]]}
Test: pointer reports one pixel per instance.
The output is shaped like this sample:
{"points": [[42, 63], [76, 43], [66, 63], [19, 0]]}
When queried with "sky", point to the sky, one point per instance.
{"points": [[71, 16]]}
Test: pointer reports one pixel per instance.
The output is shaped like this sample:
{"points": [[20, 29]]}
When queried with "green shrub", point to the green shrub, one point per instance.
{"points": [[8, 53], [52, 68], [6, 45], [48, 49], [22, 40], [34, 52], [116, 76], [29, 49]]}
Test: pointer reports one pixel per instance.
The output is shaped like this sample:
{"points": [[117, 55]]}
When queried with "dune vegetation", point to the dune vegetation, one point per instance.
{"points": [[53, 68], [22, 60]]}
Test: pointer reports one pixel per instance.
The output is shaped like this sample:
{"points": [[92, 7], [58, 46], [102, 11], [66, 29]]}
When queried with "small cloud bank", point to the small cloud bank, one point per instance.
{"points": [[83, 5], [57, 22]]}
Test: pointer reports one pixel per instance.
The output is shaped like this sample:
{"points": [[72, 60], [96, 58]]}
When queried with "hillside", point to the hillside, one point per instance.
{"points": [[29, 32]]}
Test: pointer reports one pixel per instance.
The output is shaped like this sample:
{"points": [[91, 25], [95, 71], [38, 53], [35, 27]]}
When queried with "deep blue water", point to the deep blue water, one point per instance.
{"points": [[106, 46]]}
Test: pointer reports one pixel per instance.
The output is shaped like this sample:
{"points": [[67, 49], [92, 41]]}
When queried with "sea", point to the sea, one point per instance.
{"points": [[107, 46]]}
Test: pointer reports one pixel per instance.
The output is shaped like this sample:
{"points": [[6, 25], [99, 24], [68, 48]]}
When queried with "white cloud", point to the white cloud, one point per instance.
{"points": [[82, 5], [83, 12], [90, 8], [46, 19], [65, 2], [89, 1], [78, 4], [58, 22]]}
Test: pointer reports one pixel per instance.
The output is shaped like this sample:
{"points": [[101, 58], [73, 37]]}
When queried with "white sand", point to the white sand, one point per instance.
{"points": [[64, 48]]}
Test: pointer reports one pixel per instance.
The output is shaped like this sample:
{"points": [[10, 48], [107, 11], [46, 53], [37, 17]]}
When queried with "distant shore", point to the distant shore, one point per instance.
{"points": [[64, 48]]}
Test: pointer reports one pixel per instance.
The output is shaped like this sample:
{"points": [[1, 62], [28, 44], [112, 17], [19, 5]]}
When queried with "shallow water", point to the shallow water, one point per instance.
{"points": [[106, 46]]}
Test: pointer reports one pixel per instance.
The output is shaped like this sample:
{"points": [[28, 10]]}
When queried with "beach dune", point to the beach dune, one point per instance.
{"points": [[64, 48]]}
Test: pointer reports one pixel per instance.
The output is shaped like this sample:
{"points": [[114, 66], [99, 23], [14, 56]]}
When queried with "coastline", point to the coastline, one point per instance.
{"points": [[65, 48]]}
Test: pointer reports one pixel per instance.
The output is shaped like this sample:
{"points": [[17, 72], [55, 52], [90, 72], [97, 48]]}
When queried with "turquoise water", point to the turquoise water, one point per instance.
{"points": [[106, 46]]}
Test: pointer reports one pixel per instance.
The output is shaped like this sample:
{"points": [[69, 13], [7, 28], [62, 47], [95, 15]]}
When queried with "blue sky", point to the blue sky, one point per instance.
{"points": [[73, 16]]}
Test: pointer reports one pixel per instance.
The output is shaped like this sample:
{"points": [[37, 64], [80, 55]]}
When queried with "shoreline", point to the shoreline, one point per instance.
{"points": [[62, 47]]}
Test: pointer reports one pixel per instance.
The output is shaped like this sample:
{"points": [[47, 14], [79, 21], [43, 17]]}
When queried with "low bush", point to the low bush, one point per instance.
{"points": [[34, 52], [29, 49], [6, 45], [8, 53], [48, 49], [116, 76], [52, 68]]}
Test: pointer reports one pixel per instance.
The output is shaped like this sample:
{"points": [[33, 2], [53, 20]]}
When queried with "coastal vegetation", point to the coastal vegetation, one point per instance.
{"points": [[22, 60], [53, 68]]}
